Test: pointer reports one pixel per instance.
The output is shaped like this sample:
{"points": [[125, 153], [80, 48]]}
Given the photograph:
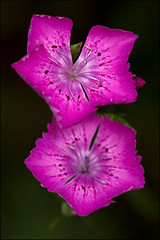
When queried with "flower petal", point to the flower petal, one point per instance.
{"points": [[115, 89], [52, 32], [34, 69], [83, 196], [79, 134], [71, 110], [110, 47], [106, 52], [49, 164], [48, 79], [122, 170], [51, 160]]}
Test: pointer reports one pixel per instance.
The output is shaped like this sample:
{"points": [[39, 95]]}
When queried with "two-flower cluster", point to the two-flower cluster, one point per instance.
{"points": [[85, 158]]}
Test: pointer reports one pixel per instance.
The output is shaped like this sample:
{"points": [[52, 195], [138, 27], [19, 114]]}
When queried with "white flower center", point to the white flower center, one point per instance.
{"points": [[84, 162], [72, 76], [84, 166]]}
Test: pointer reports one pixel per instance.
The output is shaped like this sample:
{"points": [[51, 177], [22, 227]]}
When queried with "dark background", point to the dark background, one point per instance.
{"points": [[28, 211]]}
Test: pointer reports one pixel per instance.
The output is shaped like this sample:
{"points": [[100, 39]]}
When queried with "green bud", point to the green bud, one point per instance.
{"points": [[75, 50], [67, 210]]}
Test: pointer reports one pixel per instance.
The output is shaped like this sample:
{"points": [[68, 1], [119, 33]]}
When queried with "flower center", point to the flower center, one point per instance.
{"points": [[84, 162], [84, 167], [71, 74], [79, 74], [87, 163]]}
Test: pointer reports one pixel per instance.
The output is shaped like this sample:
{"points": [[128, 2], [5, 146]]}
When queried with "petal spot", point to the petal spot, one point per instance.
{"points": [[68, 97]]}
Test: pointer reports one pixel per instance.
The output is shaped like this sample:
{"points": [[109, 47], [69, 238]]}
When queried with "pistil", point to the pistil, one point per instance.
{"points": [[84, 167]]}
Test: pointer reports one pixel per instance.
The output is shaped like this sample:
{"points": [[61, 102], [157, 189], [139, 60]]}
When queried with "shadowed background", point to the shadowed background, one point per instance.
{"points": [[29, 211]]}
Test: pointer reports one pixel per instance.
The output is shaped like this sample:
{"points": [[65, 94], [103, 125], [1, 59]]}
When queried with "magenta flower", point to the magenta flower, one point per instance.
{"points": [[87, 164], [99, 77]]}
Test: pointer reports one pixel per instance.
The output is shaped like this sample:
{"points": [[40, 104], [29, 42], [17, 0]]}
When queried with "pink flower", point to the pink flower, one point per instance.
{"points": [[99, 77], [89, 163]]}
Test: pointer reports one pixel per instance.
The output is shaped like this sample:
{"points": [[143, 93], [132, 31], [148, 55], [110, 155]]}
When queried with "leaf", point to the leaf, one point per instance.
{"points": [[71, 179], [75, 51], [118, 117], [94, 137], [85, 93]]}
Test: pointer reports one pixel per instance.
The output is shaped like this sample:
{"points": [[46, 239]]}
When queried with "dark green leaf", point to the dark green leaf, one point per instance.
{"points": [[94, 137], [71, 179], [75, 51], [85, 93]]}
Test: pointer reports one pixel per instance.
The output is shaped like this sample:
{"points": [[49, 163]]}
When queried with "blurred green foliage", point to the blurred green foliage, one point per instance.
{"points": [[28, 211]]}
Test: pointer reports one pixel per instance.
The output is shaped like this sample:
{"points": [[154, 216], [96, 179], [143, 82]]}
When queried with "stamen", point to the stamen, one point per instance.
{"points": [[93, 79], [86, 159], [98, 90], [57, 63], [100, 180], [81, 64], [96, 79], [88, 47], [66, 59], [62, 53], [72, 147], [70, 88], [88, 53], [74, 169], [84, 167], [105, 157]]}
